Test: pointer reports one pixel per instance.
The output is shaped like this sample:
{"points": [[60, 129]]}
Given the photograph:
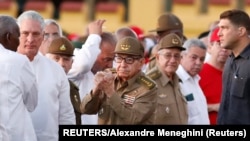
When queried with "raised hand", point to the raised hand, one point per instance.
{"points": [[96, 27]]}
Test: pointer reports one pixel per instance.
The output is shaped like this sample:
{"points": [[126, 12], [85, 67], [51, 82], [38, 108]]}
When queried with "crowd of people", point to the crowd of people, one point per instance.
{"points": [[121, 78]]}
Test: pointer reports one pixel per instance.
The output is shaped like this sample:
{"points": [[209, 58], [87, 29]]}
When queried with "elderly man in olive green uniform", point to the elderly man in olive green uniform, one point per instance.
{"points": [[123, 95], [171, 105], [61, 50]]}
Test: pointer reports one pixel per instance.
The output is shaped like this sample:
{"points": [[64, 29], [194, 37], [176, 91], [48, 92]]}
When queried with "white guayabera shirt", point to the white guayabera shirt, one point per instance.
{"points": [[18, 96], [81, 74], [54, 106], [197, 104]]}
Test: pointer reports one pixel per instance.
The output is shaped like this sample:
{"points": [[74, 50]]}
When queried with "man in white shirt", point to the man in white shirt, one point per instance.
{"points": [[54, 106], [191, 63], [18, 93], [3, 134], [95, 55]]}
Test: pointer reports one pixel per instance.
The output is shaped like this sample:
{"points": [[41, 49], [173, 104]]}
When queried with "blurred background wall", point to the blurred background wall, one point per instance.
{"points": [[74, 15]]}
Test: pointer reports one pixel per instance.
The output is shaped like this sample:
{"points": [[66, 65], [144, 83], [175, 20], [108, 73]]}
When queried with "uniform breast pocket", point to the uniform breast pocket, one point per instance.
{"points": [[240, 85], [165, 108], [104, 111]]}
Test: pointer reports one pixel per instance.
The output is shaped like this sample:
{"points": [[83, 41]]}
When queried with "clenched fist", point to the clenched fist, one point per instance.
{"points": [[104, 81]]}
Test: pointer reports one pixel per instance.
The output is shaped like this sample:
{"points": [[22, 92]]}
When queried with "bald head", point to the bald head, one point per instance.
{"points": [[9, 35]]}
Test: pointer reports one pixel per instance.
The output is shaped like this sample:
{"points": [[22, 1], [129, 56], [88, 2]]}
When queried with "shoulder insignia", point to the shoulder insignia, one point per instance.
{"points": [[154, 74], [146, 81]]}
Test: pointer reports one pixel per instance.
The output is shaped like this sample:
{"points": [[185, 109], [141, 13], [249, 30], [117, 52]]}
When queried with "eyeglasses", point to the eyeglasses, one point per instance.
{"points": [[51, 35], [169, 56], [128, 60]]}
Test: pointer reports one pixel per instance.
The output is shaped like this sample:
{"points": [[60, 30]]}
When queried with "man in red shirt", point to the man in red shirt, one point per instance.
{"points": [[211, 75]]}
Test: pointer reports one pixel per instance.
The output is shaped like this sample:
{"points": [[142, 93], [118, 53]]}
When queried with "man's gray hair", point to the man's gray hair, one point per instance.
{"points": [[51, 21], [31, 14], [193, 42]]}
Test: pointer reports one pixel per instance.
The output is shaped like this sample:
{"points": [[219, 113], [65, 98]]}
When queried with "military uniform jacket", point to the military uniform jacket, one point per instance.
{"points": [[76, 101], [133, 103], [171, 105]]}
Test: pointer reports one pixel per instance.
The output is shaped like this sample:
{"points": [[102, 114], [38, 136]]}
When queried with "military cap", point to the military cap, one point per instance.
{"points": [[171, 41], [61, 46], [168, 21], [129, 45]]}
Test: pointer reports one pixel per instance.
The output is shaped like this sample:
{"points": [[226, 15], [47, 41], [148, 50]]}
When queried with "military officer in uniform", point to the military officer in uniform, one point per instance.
{"points": [[124, 95], [166, 23], [171, 105], [61, 50]]}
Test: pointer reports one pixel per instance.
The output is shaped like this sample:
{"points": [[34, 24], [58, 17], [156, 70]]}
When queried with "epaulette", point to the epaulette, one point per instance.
{"points": [[154, 74], [146, 81]]}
